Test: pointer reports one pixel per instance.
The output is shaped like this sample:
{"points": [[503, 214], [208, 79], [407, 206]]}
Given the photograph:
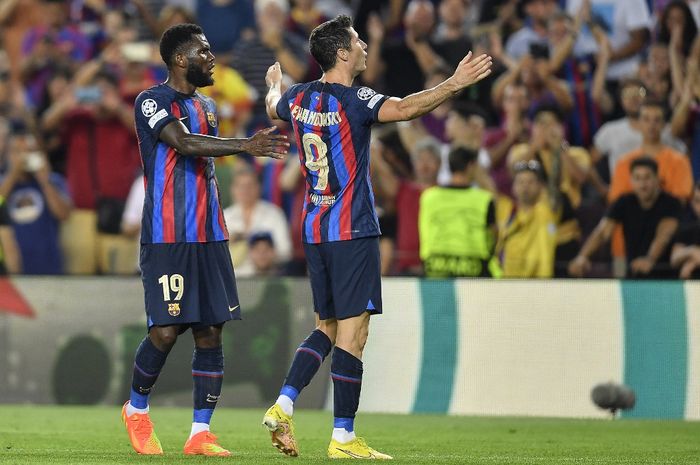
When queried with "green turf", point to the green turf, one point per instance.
{"points": [[94, 435]]}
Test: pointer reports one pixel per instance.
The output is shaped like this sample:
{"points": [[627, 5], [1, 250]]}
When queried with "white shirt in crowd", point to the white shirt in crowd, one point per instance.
{"points": [[622, 16], [266, 217], [617, 138]]}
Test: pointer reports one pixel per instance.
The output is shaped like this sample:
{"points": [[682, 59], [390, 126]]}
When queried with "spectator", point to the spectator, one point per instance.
{"points": [[686, 115], [584, 72], [304, 17], [37, 202], [10, 258], [465, 127], [528, 229], [228, 23], [102, 160], [677, 27], [457, 224], [403, 62], [248, 215], [55, 44], [565, 167], [451, 37], [648, 217], [685, 253], [132, 216], [543, 88], [252, 56], [405, 195], [514, 129], [674, 169], [618, 137], [263, 257], [534, 31], [627, 24]]}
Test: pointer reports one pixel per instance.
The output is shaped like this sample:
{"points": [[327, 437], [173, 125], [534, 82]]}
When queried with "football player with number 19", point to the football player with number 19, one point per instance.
{"points": [[332, 120], [186, 268]]}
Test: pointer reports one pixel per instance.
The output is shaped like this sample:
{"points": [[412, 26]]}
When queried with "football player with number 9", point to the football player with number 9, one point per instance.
{"points": [[332, 120]]}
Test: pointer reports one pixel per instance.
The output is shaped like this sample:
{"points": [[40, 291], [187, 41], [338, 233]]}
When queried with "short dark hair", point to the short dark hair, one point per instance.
{"points": [[549, 108], [174, 38], [461, 157], [327, 38], [645, 161], [466, 110]]}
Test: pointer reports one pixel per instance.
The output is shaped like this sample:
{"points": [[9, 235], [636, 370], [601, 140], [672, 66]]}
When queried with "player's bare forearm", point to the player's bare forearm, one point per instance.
{"points": [[273, 97], [468, 72], [261, 144], [425, 101]]}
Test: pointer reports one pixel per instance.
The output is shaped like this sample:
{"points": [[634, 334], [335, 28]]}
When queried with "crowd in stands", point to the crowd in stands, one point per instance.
{"points": [[578, 156]]}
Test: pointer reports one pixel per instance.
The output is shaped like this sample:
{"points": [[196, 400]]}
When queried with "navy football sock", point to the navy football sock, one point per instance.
{"points": [[307, 360], [147, 365], [346, 372], [208, 376]]}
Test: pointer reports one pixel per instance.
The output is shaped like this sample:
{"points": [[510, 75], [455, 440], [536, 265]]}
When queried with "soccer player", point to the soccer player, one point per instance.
{"points": [[186, 268], [331, 121]]}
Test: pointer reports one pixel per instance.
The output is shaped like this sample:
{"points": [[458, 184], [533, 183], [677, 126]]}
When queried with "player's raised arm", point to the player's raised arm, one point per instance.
{"points": [[469, 71], [261, 144], [273, 78]]}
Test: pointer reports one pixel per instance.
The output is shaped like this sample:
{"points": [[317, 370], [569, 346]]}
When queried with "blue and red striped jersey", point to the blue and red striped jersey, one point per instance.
{"points": [[182, 196], [332, 125]]}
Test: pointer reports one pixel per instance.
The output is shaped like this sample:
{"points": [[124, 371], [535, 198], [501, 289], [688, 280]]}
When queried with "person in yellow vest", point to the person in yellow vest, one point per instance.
{"points": [[457, 224], [528, 226]]}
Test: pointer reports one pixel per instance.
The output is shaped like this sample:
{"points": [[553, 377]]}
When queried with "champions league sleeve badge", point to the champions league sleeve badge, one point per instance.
{"points": [[365, 93]]}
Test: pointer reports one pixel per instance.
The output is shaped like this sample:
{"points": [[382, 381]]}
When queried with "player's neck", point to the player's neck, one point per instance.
{"points": [[337, 76], [181, 85]]}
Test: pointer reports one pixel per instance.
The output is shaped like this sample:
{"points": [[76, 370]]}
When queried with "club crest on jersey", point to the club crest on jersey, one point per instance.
{"points": [[174, 309], [365, 93], [211, 117], [149, 107]]}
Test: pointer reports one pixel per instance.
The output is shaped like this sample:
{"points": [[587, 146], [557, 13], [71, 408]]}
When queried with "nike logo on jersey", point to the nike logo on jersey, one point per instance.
{"points": [[183, 118], [233, 309]]}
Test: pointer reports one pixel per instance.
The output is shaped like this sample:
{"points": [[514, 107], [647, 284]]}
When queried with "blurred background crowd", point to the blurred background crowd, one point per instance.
{"points": [[585, 140]]}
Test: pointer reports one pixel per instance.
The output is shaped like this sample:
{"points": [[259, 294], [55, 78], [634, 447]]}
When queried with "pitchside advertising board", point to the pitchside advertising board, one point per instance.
{"points": [[466, 347]]}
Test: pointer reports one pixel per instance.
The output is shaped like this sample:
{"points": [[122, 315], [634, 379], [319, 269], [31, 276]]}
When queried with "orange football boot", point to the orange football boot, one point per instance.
{"points": [[204, 443], [143, 438]]}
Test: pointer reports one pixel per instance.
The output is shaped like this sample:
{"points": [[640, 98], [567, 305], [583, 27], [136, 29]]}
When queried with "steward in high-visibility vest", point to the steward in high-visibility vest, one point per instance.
{"points": [[457, 224]]}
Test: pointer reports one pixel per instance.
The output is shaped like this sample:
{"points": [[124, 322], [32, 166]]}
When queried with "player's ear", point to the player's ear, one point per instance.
{"points": [[180, 60], [343, 54]]}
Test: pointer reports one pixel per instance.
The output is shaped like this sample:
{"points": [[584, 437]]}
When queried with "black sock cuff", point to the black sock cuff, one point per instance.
{"points": [[149, 358], [208, 359], [318, 341], [345, 363]]}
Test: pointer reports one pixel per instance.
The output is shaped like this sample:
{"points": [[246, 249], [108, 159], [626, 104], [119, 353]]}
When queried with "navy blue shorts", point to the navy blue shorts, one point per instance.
{"points": [[189, 283], [345, 277]]}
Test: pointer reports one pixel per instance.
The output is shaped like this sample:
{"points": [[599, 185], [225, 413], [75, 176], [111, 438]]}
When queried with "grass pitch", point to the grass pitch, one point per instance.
{"points": [[95, 435]]}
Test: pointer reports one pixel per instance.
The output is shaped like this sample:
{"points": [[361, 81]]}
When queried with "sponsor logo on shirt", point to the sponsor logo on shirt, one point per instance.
{"points": [[318, 200]]}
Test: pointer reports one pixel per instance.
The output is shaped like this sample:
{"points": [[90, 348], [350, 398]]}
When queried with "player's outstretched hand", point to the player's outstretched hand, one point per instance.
{"points": [[274, 74], [265, 144], [471, 70]]}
